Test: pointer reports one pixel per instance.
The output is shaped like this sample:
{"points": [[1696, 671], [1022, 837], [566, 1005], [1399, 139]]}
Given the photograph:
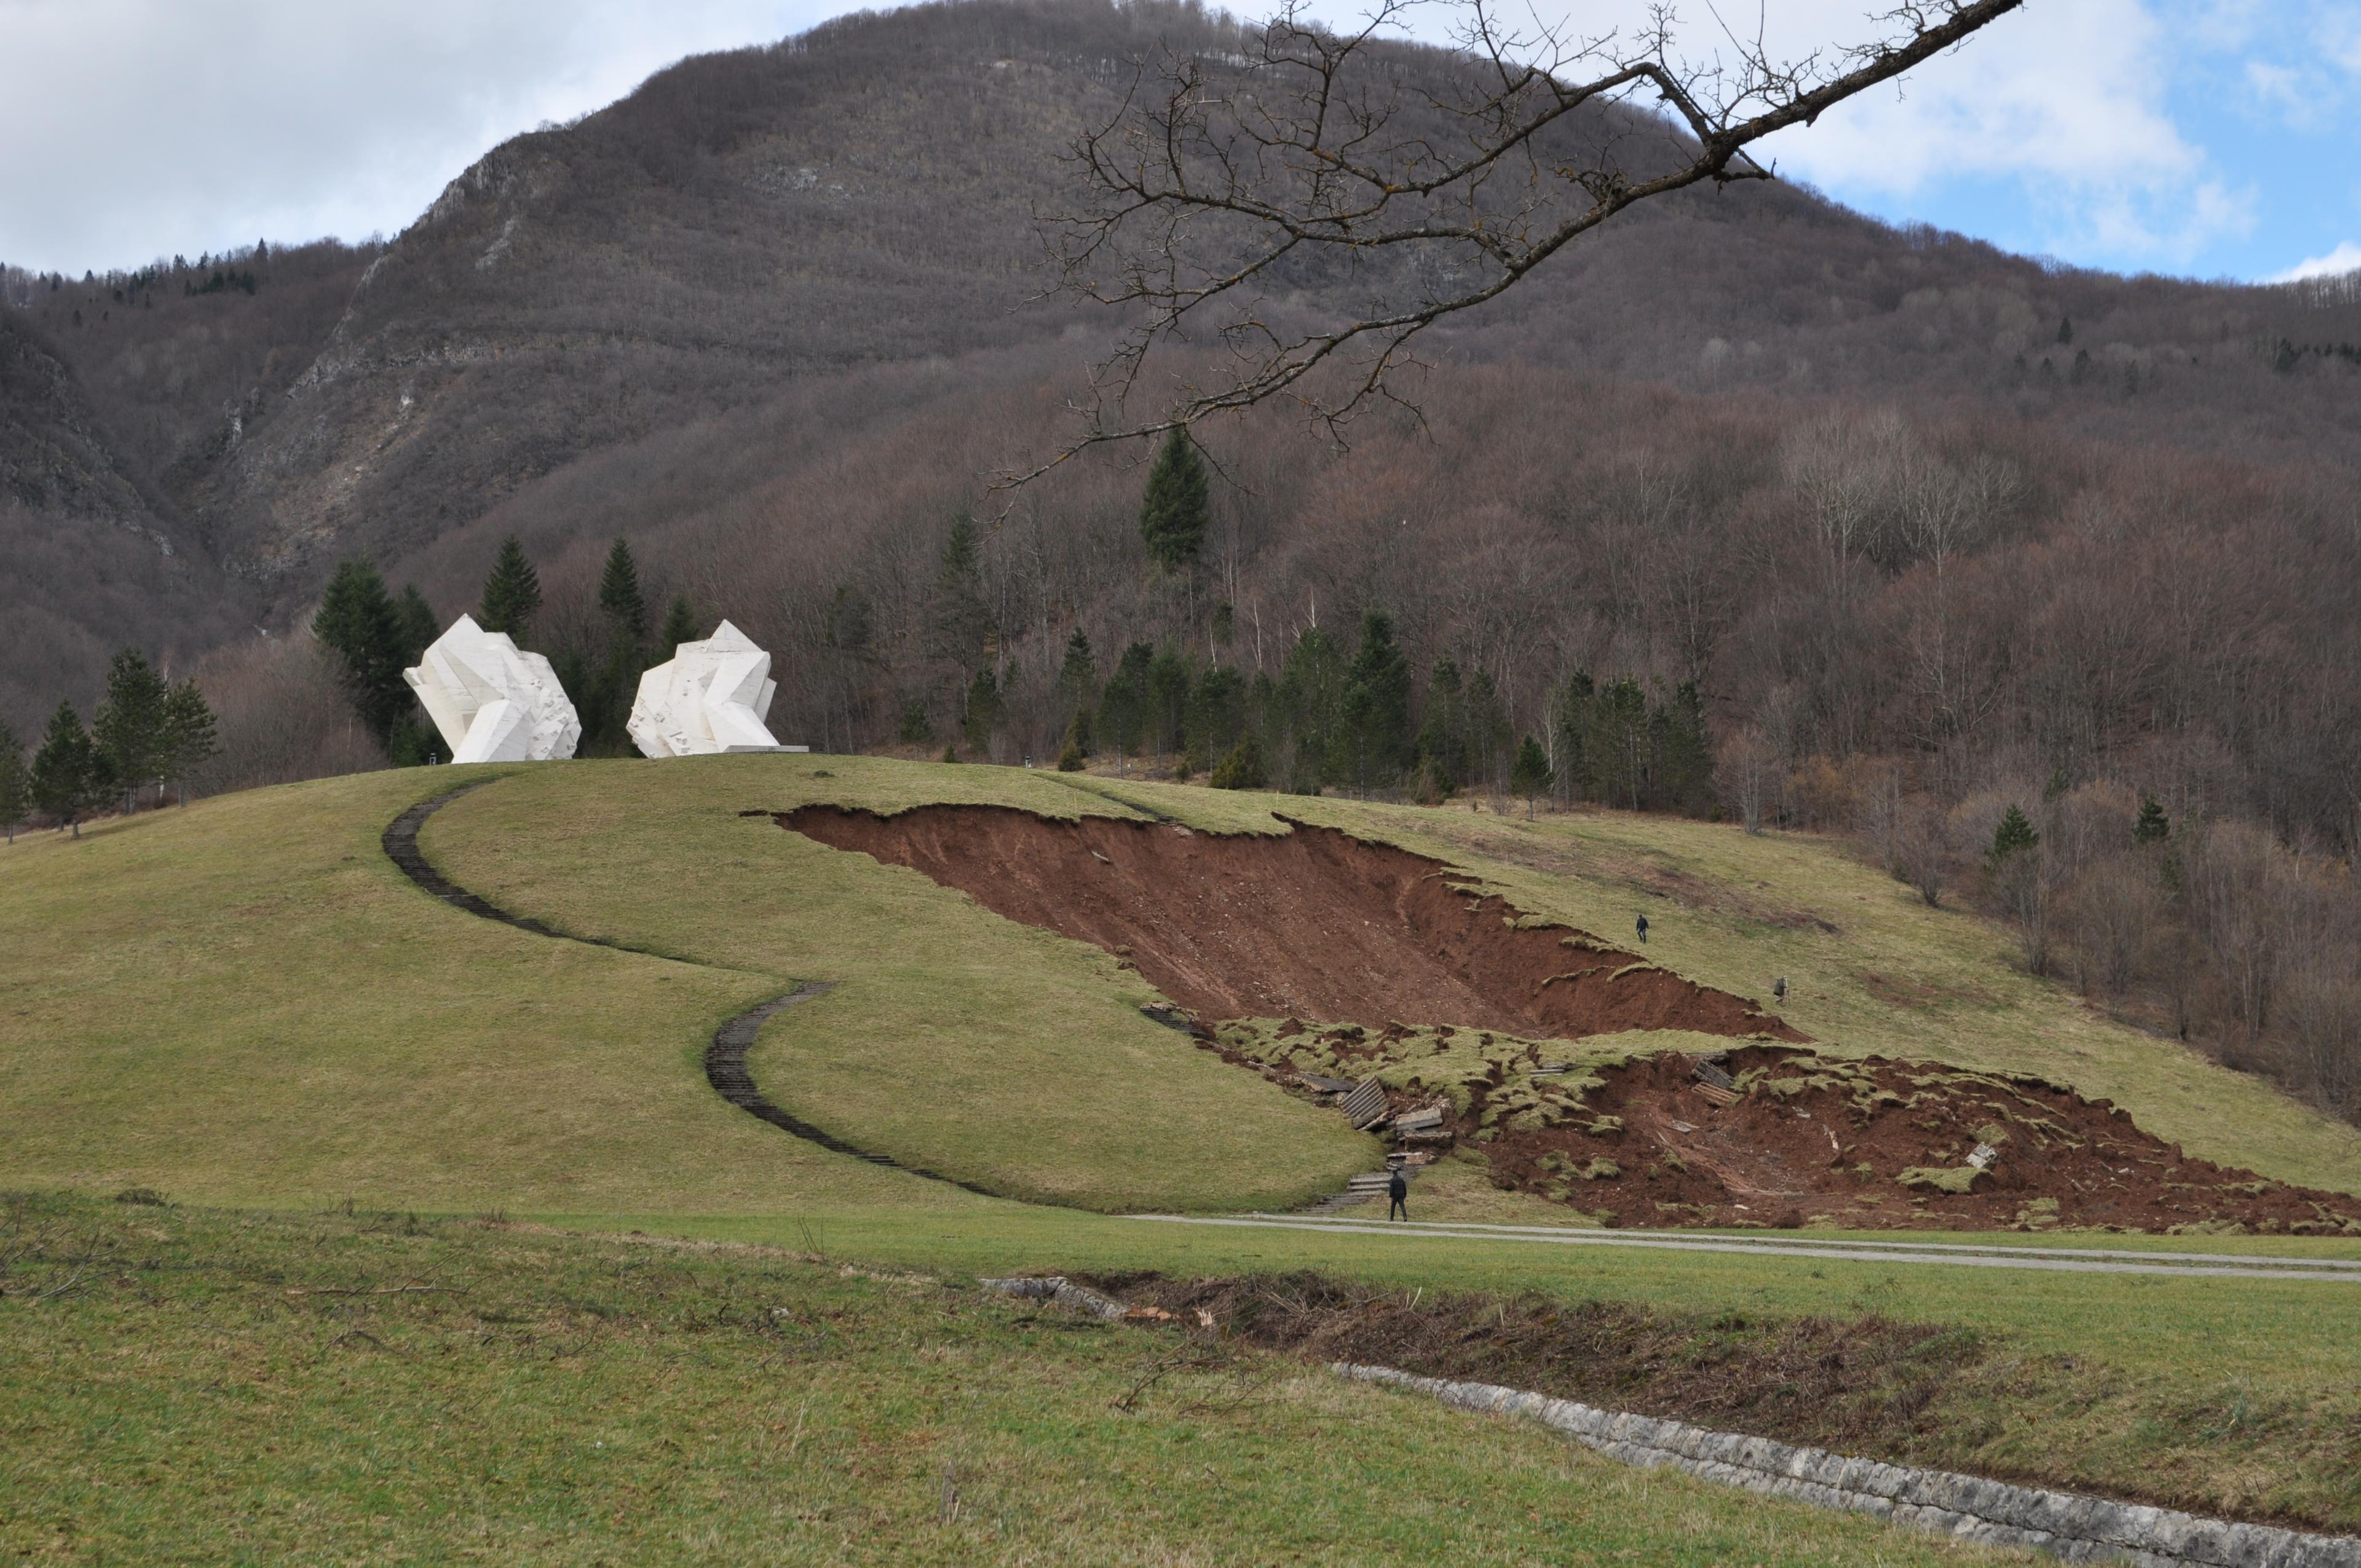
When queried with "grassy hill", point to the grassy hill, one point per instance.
{"points": [[245, 1003], [254, 971]]}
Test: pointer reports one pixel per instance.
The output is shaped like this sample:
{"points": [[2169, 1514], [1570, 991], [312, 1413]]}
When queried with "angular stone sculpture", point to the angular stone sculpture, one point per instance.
{"points": [[709, 697], [493, 702]]}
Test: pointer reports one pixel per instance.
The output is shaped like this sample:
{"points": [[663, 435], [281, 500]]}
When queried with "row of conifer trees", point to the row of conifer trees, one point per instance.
{"points": [[148, 733], [376, 633], [1346, 718]]}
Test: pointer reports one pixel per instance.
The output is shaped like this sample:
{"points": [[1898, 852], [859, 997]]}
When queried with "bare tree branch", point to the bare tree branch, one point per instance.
{"points": [[1410, 187]]}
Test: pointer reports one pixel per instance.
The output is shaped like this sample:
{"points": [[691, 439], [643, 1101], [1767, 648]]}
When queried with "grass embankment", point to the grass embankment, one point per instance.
{"points": [[209, 1388], [657, 856], [246, 1003]]}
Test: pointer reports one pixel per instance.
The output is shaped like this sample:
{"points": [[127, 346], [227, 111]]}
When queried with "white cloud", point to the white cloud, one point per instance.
{"points": [[2346, 257], [141, 127], [2068, 100]]}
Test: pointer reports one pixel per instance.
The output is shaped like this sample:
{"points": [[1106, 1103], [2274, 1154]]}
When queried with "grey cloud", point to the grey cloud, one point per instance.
{"points": [[143, 127]]}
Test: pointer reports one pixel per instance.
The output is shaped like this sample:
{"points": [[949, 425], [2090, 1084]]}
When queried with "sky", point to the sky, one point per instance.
{"points": [[2211, 138]]}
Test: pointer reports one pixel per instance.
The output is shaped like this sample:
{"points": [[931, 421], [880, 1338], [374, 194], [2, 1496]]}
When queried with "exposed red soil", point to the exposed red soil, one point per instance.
{"points": [[1316, 924], [1791, 1151], [1311, 924]]}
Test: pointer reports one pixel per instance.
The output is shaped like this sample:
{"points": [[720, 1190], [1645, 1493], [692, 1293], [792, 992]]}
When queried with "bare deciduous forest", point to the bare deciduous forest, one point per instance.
{"points": [[1930, 530]]}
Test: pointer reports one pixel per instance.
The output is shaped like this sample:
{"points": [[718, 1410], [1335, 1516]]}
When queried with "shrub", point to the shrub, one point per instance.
{"points": [[1241, 767]]}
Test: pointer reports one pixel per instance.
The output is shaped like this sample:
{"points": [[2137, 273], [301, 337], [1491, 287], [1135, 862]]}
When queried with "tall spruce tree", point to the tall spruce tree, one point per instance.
{"points": [[619, 599], [1172, 513], [1683, 764], [1376, 705], [1571, 715], [1489, 732], [985, 712], [1167, 700], [15, 782], [1531, 775], [128, 727], [419, 626], [606, 706], [511, 593], [65, 777], [1442, 738], [190, 736], [358, 621], [1123, 706], [1309, 709], [2152, 826], [1217, 715], [958, 622], [1618, 744], [1077, 690], [679, 626]]}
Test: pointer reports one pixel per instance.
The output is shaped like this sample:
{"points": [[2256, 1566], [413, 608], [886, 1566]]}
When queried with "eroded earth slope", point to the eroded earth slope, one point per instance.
{"points": [[1312, 922], [1451, 997]]}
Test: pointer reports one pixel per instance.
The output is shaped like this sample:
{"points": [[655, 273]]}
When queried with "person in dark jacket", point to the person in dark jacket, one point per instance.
{"points": [[1396, 1191], [1643, 930]]}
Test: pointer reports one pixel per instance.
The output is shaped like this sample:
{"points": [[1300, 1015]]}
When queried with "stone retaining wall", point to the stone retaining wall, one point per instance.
{"points": [[1964, 1507]]}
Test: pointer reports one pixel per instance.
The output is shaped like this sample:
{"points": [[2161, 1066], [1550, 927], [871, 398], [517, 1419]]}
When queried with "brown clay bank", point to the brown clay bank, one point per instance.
{"points": [[1778, 1137], [1311, 922]]}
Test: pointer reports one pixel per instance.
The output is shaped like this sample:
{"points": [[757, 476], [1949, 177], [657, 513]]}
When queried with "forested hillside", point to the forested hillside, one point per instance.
{"points": [[777, 317]]}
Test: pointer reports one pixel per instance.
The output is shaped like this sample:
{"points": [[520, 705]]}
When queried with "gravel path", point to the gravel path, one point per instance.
{"points": [[2080, 1260]]}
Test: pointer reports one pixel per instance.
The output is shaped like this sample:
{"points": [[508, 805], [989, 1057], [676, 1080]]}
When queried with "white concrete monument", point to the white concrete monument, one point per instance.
{"points": [[493, 702], [709, 697]]}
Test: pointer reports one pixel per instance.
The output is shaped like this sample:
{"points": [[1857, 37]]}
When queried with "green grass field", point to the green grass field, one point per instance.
{"points": [[261, 1388], [244, 1004]]}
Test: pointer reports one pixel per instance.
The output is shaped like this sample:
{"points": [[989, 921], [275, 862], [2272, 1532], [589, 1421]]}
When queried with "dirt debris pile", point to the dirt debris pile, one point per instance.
{"points": [[1639, 1138], [1313, 922]]}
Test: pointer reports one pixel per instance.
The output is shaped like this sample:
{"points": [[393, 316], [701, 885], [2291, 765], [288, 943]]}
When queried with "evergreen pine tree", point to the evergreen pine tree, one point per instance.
{"points": [[190, 738], [512, 594], [359, 622], [1168, 701], [1377, 703], [679, 627], [1574, 719], [1078, 690], [606, 707], [64, 774], [2152, 826], [1443, 738], [128, 729], [1684, 767], [419, 626], [1217, 714], [15, 782], [916, 728], [1489, 732], [1172, 512], [1309, 708], [2014, 836], [985, 712], [2065, 329], [959, 624], [1070, 755], [1123, 706], [1619, 746], [1530, 776], [1241, 766], [620, 597]]}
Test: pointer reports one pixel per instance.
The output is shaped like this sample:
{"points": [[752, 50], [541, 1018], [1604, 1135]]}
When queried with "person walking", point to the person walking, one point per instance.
{"points": [[1643, 930], [1396, 1190]]}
